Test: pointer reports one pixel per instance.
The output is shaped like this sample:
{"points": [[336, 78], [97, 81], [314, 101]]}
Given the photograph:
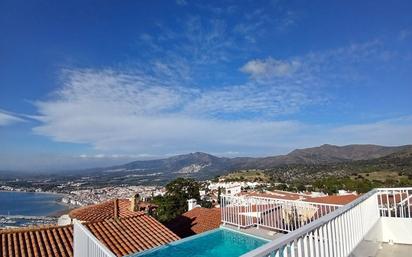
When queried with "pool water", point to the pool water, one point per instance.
{"points": [[219, 243]]}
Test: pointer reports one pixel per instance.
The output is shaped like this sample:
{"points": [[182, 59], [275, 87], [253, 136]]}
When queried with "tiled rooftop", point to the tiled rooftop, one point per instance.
{"points": [[37, 242], [276, 195], [131, 232], [333, 199], [119, 208], [131, 235], [196, 221]]}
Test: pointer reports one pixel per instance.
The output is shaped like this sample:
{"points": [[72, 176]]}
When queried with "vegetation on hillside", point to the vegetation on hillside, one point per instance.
{"points": [[174, 202], [394, 170], [247, 176]]}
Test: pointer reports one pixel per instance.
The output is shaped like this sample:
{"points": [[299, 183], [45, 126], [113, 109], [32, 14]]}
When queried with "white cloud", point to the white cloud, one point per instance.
{"points": [[184, 92], [271, 67], [7, 118], [114, 111], [117, 113], [397, 131], [153, 111], [182, 102], [162, 137], [252, 99]]}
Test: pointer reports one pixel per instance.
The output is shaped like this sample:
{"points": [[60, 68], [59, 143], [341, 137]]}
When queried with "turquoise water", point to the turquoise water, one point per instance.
{"points": [[218, 243], [30, 204]]}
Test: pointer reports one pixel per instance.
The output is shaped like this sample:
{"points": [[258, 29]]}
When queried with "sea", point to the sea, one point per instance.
{"points": [[16, 204], [30, 204]]}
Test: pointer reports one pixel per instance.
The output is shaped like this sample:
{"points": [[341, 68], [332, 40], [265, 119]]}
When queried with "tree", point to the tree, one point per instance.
{"points": [[205, 204], [186, 188], [300, 187], [282, 187], [219, 194], [174, 202]]}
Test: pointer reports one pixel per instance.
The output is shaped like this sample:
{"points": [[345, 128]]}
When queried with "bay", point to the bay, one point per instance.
{"points": [[30, 204]]}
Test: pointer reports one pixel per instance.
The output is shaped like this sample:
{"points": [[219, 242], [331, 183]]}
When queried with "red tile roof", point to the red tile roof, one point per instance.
{"points": [[277, 195], [195, 221], [119, 208], [56, 241], [131, 235], [394, 198], [333, 199]]}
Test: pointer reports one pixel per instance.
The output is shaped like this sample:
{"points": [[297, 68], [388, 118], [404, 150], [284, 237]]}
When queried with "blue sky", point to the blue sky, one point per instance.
{"points": [[92, 83]]}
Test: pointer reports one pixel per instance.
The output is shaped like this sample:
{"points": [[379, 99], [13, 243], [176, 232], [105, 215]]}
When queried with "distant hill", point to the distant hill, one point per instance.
{"points": [[396, 164], [299, 165], [324, 154], [192, 165], [205, 166]]}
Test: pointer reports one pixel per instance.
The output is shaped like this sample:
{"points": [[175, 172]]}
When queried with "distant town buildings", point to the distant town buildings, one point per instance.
{"points": [[93, 196]]}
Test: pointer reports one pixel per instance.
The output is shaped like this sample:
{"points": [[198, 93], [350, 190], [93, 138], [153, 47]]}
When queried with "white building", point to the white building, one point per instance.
{"points": [[233, 190]]}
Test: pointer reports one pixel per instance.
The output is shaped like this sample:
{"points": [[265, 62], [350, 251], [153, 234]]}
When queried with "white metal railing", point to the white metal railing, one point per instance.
{"points": [[335, 234], [87, 245], [395, 202], [278, 214]]}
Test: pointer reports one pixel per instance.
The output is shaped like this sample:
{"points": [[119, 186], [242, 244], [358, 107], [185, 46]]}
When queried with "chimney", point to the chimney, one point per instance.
{"points": [[116, 208], [134, 202], [191, 204]]}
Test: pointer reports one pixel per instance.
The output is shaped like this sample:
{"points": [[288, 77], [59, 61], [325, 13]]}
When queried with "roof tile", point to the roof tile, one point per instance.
{"points": [[132, 232], [333, 199], [130, 235], [104, 211], [37, 242]]}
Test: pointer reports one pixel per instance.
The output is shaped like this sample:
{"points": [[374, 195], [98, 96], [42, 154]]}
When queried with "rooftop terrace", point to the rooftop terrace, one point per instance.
{"points": [[378, 223]]}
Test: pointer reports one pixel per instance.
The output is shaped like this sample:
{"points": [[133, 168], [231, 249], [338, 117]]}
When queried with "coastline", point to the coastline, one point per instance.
{"points": [[43, 192], [67, 207]]}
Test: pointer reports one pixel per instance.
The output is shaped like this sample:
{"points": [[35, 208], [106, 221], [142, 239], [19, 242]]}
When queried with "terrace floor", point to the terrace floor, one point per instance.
{"points": [[364, 249], [375, 249], [395, 250], [259, 232]]}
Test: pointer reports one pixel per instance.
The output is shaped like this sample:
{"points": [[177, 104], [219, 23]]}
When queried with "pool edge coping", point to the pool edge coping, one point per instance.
{"points": [[241, 232]]}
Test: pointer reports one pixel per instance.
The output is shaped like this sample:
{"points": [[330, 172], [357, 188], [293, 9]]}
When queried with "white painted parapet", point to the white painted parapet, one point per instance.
{"points": [[396, 230], [85, 244]]}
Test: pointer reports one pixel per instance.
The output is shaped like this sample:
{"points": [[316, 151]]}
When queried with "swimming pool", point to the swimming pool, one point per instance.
{"points": [[219, 243]]}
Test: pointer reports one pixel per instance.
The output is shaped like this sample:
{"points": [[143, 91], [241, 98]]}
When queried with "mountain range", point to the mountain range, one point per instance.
{"points": [[205, 166]]}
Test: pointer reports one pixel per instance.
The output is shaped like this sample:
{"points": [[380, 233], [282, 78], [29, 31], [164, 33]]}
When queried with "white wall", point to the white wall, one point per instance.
{"points": [[399, 230], [64, 220], [233, 190]]}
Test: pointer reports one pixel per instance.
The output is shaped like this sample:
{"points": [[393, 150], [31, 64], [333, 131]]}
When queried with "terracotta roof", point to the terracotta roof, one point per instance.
{"points": [[122, 236], [56, 241], [131, 235], [333, 199], [394, 198], [277, 195], [195, 221], [117, 208]]}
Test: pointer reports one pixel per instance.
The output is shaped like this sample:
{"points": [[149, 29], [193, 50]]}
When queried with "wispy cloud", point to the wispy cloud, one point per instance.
{"points": [[270, 67], [396, 131], [287, 20], [111, 110], [182, 95], [7, 118]]}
